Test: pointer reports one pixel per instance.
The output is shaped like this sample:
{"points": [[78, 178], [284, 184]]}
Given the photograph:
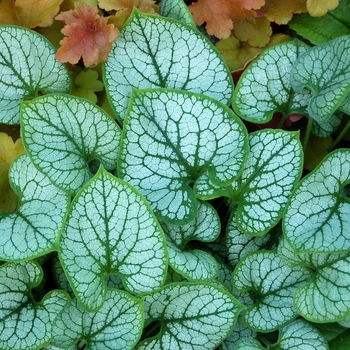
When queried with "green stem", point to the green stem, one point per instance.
{"points": [[307, 133], [281, 122], [340, 137]]}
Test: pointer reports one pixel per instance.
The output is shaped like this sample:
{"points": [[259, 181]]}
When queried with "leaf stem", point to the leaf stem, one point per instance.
{"points": [[307, 133], [281, 122], [340, 137]]}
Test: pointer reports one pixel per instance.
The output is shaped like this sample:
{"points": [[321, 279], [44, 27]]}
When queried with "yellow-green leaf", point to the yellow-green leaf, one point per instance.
{"points": [[29, 13], [256, 31], [237, 54], [318, 8], [9, 150]]}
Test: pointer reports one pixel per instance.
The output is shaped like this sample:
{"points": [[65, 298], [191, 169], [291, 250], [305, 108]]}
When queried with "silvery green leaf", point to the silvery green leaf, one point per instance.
{"points": [[273, 167], [240, 244], [24, 322], [326, 296], [317, 216], [327, 128], [345, 321], [170, 139], [298, 334], [249, 344], [265, 88], [205, 227], [176, 9], [60, 277], [240, 331], [113, 281], [195, 265], [345, 106], [116, 326], [273, 283], [325, 70], [63, 134], [27, 66], [34, 228], [111, 229], [153, 51], [193, 316]]}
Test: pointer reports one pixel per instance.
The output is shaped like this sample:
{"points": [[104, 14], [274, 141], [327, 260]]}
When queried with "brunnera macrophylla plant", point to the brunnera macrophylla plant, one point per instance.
{"points": [[125, 218]]}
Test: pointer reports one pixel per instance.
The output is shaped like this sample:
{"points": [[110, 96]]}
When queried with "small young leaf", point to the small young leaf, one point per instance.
{"points": [[21, 79], [24, 323], [317, 216], [170, 139], [195, 265], [328, 79], [88, 35], [193, 316], [176, 9], [273, 166], [264, 87], [62, 134], [116, 326], [273, 284], [111, 229], [86, 84], [34, 229], [160, 52]]}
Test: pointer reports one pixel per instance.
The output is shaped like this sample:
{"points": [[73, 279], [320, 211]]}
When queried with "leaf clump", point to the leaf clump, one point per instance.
{"points": [[88, 36]]}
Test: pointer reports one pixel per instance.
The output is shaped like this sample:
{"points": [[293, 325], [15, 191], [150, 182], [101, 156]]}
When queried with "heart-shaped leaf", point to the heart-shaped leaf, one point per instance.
{"points": [[317, 216], [153, 51], [328, 79], [298, 334], [193, 316], [195, 265], [176, 9], [170, 139], [34, 228], [273, 284], [111, 229], [27, 65], [265, 88], [62, 134], [116, 326], [25, 324], [273, 167], [326, 296]]}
